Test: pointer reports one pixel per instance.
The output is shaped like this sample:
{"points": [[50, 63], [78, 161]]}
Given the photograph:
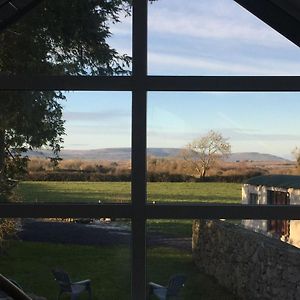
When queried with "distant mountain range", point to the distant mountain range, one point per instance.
{"points": [[254, 156], [125, 154]]}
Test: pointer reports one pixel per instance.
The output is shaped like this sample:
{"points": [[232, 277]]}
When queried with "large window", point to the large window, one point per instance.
{"points": [[140, 83]]}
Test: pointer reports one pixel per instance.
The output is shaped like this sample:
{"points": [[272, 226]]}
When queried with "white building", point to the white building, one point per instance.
{"points": [[274, 189]]}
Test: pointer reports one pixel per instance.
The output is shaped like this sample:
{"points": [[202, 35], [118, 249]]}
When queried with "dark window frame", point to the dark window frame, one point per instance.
{"points": [[253, 198], [139, 84]]}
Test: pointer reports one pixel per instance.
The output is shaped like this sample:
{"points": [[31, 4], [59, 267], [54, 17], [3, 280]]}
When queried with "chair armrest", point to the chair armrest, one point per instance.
{"points": [[82, 282], [155, 285]]}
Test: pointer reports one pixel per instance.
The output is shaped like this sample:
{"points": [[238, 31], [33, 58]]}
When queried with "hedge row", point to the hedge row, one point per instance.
{"points": [[151, 176], [76, 176]]}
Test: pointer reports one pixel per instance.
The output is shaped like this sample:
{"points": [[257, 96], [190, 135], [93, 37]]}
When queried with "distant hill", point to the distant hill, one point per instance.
{"points": [[99, 154], [125, 154], [254, 156], [106, 153]]}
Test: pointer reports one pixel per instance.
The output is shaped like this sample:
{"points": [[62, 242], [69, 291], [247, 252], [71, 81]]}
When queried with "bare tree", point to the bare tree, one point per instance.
{"points": [[203, 153], [296, 154]]}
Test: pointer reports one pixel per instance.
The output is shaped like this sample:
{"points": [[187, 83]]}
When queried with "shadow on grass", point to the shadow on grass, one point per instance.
{"points": [[30, 264], [163, 262], [108, 268]]}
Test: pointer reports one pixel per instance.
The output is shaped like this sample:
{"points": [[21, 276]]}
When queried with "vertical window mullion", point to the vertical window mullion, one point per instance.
{"points": [[139, 131]]}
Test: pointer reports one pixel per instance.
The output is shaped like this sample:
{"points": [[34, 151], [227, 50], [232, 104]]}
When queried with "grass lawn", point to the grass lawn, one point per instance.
{"points": [[30, 265], [49, 191], [211, 192], [109, 267]]}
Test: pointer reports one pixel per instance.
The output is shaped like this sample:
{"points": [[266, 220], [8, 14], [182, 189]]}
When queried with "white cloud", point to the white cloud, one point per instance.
{"points": [[88, 137], [184, 65], [124, 27], [246, 41], [106, 115], [219, 20], [214, 20], [237, 134]]}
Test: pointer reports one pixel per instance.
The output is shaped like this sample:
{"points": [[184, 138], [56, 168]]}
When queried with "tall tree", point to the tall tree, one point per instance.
{"points": [[203, 153], [57, 37]]}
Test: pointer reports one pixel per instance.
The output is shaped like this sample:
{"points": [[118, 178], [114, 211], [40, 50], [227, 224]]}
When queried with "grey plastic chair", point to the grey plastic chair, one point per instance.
{"points": [[72, 288], [171, 291]]}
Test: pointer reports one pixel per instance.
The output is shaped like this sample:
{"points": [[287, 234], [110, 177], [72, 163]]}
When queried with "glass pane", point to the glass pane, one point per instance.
{"points": [[93, 38], [215, 38], [222, 260], [170, 253], [98, 252], [251, 264], [92, 130], [203, 146]]}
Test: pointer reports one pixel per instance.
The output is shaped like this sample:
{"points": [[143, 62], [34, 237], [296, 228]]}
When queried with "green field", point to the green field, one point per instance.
{"points": [[109, 267], [119, 192], [30, 264]]}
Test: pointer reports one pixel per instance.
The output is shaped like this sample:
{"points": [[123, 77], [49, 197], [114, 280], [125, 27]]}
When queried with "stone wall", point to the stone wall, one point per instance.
{"points": [[249, 264]]}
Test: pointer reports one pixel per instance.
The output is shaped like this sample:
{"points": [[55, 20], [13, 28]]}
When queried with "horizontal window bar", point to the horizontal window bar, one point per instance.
{"points": [[224, 83], [63, 210], [72, 83], [153, 211], [153, 83], [223, 211]]}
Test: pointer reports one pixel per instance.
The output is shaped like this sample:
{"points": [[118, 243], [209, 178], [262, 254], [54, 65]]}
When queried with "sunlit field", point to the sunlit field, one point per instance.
{"points": [[119, 192]]}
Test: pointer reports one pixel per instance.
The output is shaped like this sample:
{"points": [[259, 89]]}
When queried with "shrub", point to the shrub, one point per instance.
{"points": [[167, 177]]}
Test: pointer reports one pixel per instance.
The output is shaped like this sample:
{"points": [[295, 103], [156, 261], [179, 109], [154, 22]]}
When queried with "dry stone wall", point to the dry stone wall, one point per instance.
{"points": [[249, 264]]}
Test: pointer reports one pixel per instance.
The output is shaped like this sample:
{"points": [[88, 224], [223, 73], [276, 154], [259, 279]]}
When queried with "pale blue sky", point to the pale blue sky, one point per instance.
{"points": [[209, 37]]}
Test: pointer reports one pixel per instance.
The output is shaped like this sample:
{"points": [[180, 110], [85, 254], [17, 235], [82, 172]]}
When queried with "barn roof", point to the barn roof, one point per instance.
{"points": [[282, 181]]}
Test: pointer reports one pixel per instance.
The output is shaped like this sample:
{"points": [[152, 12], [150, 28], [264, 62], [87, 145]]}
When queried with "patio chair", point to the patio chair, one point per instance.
{"points": [[171, 291], [72, 288]]}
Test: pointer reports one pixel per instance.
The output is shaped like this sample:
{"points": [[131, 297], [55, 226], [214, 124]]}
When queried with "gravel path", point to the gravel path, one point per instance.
{"points": [[97, 233]]}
